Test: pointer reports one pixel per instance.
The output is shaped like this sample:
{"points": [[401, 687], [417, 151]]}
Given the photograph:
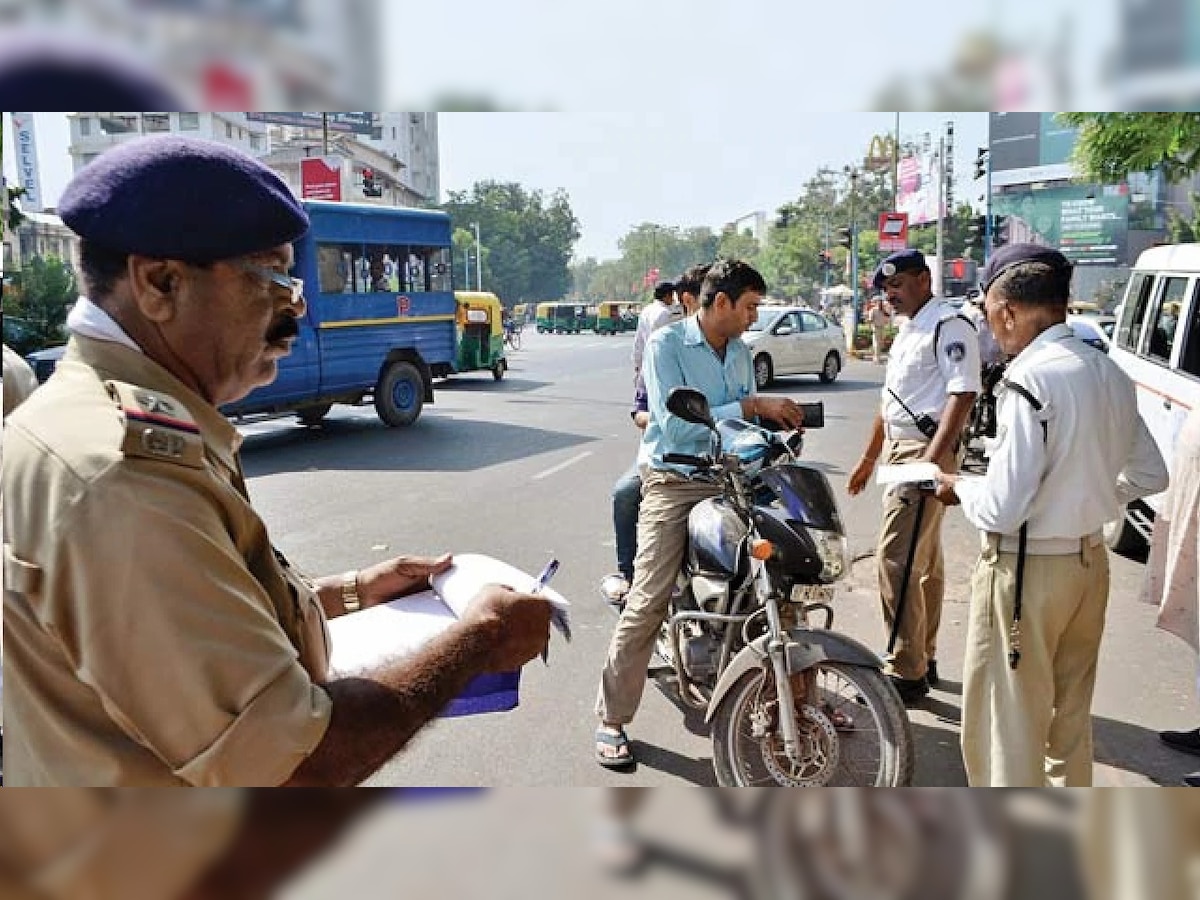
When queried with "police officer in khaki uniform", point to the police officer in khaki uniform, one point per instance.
{"points": [[155, 636], [1071, 451], [931, 382]]}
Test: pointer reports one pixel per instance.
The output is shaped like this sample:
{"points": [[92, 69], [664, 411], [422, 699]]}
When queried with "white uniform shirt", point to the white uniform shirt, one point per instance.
{"points": [[924, 376], [652, 318], [1095, 455]]}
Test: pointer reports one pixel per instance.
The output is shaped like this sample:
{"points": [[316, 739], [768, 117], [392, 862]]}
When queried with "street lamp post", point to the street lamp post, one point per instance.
{"points": [[853, 175], [478, 259]]}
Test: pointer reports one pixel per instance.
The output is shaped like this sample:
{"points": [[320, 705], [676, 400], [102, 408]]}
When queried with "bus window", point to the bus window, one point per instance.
{"points": [[1129, 331], [439, 269], [1189, 362], [335, 267]]}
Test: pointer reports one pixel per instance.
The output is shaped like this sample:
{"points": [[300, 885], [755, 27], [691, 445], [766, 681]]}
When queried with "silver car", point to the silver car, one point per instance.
{"points": [[792, 340]]}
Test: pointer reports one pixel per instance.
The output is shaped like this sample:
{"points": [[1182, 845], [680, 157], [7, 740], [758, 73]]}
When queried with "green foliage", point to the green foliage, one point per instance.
{"points": [[1181, 230], [527, 239], [1113, 145], [44, 291], [646, 247]]}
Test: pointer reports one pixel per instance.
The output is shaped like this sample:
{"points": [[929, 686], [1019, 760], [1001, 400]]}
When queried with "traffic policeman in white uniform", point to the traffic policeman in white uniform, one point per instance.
{"points": [[931, 382], [1071, 451]]}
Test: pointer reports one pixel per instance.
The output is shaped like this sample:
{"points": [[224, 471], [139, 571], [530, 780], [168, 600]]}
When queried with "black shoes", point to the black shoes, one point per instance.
{"points": [[911, 690], [1187, 741], [1192, 779], [931, 673]]}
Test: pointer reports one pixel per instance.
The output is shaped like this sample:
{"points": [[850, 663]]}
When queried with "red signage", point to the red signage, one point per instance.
{"points": [[320, 178], [403, 305], [893, 231]]}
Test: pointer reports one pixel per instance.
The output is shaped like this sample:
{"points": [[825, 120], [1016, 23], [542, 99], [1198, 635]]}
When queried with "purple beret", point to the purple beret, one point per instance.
{"points": [[181, 198], [900, 261], [1015, 254]]}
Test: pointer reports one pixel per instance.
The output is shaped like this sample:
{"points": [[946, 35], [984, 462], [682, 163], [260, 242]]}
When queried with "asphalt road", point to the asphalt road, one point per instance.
{"points": [[522, 469]]}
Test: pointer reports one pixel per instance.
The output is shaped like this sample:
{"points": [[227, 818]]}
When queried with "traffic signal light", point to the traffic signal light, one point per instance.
{"points": [[981, 162], [785, 218], [1001, 230], [824, 260], [846, 237], [371, 188], [976, 233]]}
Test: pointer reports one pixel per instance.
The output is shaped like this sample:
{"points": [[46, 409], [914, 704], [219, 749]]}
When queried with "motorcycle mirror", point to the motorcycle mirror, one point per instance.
{"points": [[691, 406]]}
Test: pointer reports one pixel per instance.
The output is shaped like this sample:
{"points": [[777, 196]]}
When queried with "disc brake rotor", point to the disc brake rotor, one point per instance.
{"points": [[819, 751]]}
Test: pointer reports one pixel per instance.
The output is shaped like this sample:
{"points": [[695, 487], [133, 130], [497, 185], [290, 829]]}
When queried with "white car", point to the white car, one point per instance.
{"points": [[791, 340], [1096, 330]]}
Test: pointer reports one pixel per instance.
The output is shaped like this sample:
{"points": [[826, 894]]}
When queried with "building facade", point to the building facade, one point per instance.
{"points": [[92, 133]]}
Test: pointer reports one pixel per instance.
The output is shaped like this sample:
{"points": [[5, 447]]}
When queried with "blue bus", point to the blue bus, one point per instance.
{"points": [[380, 320]]}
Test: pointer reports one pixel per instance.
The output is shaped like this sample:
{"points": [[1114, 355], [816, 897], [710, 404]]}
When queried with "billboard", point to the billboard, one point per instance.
{"points": [[917, 188], [1027, 147], [893, 232], [1089, 224], [321, 178]]}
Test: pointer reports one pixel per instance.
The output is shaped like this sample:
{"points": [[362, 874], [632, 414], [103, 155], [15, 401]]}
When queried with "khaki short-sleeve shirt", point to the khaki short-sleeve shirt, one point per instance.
{"points": [[154, 635]]}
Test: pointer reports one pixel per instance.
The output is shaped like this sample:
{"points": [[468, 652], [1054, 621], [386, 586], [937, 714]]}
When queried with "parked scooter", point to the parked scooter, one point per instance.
{"points": [[789, 703]]}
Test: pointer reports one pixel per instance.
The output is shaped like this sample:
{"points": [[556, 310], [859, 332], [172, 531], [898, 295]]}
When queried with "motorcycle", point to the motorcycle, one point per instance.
{"points": [[981, 425], [789, 703]]}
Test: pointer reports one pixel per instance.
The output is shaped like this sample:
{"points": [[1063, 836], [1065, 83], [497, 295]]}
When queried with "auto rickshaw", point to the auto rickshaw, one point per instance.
{"points": [[629, 313], [609, 318], [479, 333], [542, 318], [563, 318], [519, 313]]}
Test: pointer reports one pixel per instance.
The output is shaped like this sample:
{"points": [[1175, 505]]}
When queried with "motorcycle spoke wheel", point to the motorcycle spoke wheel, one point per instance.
{"points": [[852, 732]]}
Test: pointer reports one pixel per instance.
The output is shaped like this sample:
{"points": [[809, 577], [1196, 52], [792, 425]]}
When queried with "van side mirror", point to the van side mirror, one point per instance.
{"points": [[691, 406]]}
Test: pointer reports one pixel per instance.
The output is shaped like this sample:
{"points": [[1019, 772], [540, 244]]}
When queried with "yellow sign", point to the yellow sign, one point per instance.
{"points": [[879, 153]]}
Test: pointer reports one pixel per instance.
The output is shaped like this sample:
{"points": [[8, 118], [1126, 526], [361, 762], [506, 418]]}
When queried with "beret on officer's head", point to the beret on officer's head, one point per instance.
{"points": [[1015, 254], [181, 198], [900, 261], [664, 289]]}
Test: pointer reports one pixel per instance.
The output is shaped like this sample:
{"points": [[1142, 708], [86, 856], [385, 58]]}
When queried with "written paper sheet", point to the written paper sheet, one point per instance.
{"points": [[907, 473], [396, 629]]}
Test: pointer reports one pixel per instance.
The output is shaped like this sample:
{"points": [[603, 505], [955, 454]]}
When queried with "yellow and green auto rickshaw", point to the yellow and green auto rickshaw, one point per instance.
{"points": [[480, 333], [562, 318], [542, 318], [519, 312], [608, 318]]}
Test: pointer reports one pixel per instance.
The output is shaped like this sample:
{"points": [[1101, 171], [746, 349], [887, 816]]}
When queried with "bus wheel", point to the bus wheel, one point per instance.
{"points": [[400, 394]]}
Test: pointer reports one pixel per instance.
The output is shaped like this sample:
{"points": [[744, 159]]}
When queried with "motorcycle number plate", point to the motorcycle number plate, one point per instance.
{"points": [[812, 593]]}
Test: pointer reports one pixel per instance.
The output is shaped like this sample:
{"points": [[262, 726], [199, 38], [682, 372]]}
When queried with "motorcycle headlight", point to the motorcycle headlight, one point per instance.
{"points": [[834, 552]]}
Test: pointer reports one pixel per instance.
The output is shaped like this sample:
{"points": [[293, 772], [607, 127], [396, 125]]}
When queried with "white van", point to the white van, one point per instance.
{"points": [[1157, 342]]}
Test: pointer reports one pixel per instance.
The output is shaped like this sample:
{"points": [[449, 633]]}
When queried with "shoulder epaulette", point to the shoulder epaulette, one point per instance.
{"points": [[157, 426]]}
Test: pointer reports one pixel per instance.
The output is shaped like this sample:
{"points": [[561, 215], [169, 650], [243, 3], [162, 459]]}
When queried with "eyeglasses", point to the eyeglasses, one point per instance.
{"points": [[294, 286]]}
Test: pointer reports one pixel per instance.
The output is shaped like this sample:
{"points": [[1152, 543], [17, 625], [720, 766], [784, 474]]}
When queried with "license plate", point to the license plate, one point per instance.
{"points": [[812, 593]]}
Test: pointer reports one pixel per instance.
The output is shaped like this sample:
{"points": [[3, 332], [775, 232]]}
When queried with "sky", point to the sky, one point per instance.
{"points": [[686, 168]]}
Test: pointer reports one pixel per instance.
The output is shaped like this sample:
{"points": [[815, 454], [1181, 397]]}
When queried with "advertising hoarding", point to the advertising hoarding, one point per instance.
{"points": [[25, 143], [321, 178], [1088, 223], [917, 188], [1027, 147]]}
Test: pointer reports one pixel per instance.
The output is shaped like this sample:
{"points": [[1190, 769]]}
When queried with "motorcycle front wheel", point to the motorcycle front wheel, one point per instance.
{"points": [[853, 731]]}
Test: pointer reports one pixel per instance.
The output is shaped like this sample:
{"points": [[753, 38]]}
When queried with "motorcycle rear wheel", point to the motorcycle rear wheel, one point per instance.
{"points": [[854, 732]]}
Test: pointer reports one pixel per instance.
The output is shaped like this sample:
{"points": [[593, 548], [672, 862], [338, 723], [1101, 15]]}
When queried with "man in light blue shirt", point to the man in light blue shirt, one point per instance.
{"points": [[704, 352]]}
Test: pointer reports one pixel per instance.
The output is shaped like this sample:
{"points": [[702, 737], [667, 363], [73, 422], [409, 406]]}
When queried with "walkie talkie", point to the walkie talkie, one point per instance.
{"points": [[925, 423]]}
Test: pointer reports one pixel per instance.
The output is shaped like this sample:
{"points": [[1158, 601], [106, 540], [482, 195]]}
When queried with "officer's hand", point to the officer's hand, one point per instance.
{"points": [[518, 626], [779, 409], [945, 489], [398, 577], [861, 475]]}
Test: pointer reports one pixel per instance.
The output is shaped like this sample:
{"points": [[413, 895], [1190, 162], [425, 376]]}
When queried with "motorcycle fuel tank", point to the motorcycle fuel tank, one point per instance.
{"points": [[716, 540]]}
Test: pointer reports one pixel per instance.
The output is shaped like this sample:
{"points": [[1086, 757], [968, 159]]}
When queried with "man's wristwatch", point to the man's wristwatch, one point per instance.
{"points": [[350, 598]]}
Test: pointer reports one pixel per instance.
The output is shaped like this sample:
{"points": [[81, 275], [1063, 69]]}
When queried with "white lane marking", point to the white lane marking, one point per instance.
{"points": [[562, 465]]}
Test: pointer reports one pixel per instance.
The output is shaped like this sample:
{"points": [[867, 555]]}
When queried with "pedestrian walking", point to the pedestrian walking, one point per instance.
{"points": [[1072, 451], [931, 380]]}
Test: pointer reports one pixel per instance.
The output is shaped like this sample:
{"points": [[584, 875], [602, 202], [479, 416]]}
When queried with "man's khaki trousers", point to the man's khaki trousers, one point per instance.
{"points": [[916, 640], [661, 542], [1031, 726]]}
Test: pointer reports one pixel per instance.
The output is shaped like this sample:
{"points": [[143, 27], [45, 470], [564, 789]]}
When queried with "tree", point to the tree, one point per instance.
{"points": [[527, 239], [1113, 145], [45, 290]]}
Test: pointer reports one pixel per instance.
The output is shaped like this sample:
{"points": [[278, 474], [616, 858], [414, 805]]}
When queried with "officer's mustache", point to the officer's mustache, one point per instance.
{"points": [[286, 327]]}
